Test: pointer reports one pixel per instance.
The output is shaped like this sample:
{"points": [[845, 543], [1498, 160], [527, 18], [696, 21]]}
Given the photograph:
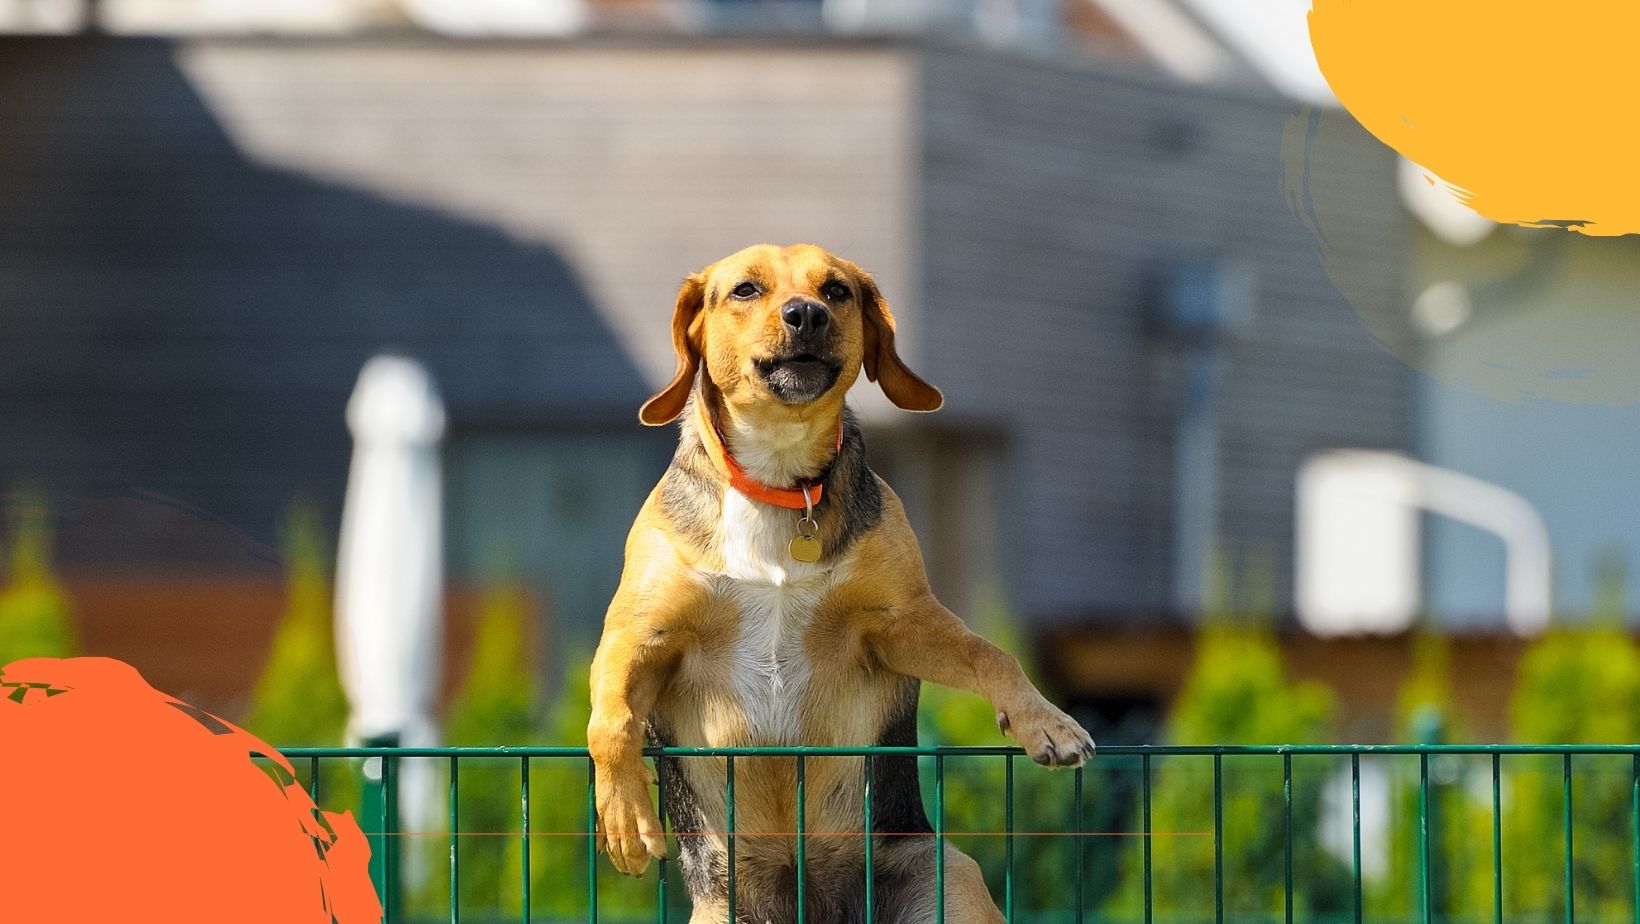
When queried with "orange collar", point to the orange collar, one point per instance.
{"points": [[799, 498]]}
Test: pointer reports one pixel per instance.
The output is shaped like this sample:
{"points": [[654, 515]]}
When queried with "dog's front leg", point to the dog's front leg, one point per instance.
{"points": [[634, 656], [918, 636]]}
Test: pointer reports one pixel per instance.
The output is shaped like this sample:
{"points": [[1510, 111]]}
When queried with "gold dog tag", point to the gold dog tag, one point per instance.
{"points": [[805, 548]]}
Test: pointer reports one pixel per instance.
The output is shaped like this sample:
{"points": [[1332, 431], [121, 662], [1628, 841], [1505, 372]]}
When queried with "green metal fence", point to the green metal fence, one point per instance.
{"points": [[1133, 777]]}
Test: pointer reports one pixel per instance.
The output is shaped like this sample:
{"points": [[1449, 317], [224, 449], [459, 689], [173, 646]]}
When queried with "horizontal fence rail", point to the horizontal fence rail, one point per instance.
{"points": [[1142, 833]]}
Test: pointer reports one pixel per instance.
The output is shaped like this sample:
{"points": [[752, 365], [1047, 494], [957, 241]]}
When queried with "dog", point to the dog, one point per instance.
{"points": [[773, 594]]}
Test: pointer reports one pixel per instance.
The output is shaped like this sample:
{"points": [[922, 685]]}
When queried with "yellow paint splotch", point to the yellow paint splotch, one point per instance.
{"points": [[1530, 111]]}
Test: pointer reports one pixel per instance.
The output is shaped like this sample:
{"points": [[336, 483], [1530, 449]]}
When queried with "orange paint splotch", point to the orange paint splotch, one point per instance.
{"points": [[123, 804], [1526, 110]]}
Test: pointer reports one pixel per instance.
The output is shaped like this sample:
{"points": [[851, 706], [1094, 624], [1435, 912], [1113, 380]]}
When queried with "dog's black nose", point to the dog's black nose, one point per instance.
{"points": [[805, 317]]}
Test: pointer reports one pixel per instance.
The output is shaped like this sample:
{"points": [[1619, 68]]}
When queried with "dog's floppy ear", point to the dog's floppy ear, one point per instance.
{"points": [[882, 364], [668, 403]]}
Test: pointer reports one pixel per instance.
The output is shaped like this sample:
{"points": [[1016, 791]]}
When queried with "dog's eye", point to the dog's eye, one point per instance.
{"points": [[834, 291], [744, 290]]}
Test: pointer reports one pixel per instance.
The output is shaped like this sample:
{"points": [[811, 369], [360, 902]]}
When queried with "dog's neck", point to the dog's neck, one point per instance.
{"points": [[779, 447]]}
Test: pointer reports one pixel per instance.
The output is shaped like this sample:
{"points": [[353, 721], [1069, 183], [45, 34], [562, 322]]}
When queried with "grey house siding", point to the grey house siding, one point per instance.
{"points": [[180, 320], [1051, 195]]}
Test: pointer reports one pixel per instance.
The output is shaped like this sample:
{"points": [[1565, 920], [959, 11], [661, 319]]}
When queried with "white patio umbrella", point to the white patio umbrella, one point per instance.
{"points": [[389, 572]]}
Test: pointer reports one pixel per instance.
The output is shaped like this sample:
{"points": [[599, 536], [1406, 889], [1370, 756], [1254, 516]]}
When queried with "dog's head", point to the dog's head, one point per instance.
{"points": [[790, 326]]}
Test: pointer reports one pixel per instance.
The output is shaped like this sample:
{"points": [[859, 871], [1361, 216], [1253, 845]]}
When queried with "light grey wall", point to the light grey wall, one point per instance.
{"points": [[1050, 195], [1535, 390], [639, 162]]}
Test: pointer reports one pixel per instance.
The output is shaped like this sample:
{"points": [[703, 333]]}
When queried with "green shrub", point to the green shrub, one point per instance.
{"points": [[495, 705], [1460, 818], [1575, 685], [298, 700], [1237, 692], [499, 703], [35, 620]]}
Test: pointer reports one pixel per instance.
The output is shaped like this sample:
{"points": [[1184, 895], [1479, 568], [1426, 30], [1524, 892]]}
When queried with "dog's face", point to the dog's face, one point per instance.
{"points": [[784, 326]]}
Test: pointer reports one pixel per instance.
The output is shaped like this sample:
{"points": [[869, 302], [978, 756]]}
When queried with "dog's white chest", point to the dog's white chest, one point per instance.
{"points": [[755, 542], [776, 597]]}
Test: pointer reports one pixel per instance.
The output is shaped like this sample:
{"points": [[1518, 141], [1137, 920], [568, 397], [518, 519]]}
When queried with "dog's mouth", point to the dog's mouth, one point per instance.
{"points": [[798, 377]]}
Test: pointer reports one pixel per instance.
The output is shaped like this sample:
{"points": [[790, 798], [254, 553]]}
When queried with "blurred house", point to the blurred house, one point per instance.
{"points": [[1093, 254], [1527, 339]]}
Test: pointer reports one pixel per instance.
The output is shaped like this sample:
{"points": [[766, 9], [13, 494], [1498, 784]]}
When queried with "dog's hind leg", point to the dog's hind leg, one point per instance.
{"points": [[709, 911], [967, 901]]}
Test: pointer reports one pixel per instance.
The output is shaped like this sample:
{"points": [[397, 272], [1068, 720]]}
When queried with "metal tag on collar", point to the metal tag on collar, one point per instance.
{"points": [[805, 547]]}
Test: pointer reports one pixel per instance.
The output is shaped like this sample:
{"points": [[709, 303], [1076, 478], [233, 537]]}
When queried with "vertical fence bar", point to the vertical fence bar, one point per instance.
{"points": [[1566, 809], [871, 909], [390, 872], [1287, 825], [1497, 838], [802, 839], [1634, 818], [1008, 839], [729, 797], [1076, 818], [1218, 837], [1355, 821], [1423, 834], [313, 779], [660, 882], [1144, 796], [524, 831], [939, 839], [455, 841], [592, 842]]}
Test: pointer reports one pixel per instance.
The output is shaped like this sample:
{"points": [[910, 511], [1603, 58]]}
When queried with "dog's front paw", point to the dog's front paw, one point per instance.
{"points": [[629, 830], [1048, 735]]}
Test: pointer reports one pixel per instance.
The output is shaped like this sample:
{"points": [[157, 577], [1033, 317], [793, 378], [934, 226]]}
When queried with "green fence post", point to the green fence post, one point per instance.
{"points": [[1497, 839], [1008, 838], [455, 841], [871, 908], [729, 798], [1566, 800], [1081, 863], [1218, 837], [1423, 834], [939, 839], [524, 836], [802, 840], [660, 883], [1287, 831], [1634, 819], [1144, 787], [380, 816], [1355, 819], [592, 842]]}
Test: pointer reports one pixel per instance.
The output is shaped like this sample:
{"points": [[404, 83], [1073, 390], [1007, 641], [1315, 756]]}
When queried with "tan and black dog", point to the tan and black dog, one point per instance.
{"points": [[773, 594]]}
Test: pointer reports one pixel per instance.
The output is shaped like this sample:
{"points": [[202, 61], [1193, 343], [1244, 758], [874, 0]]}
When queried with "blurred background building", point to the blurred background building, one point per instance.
{"points": [[216, 211]]}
